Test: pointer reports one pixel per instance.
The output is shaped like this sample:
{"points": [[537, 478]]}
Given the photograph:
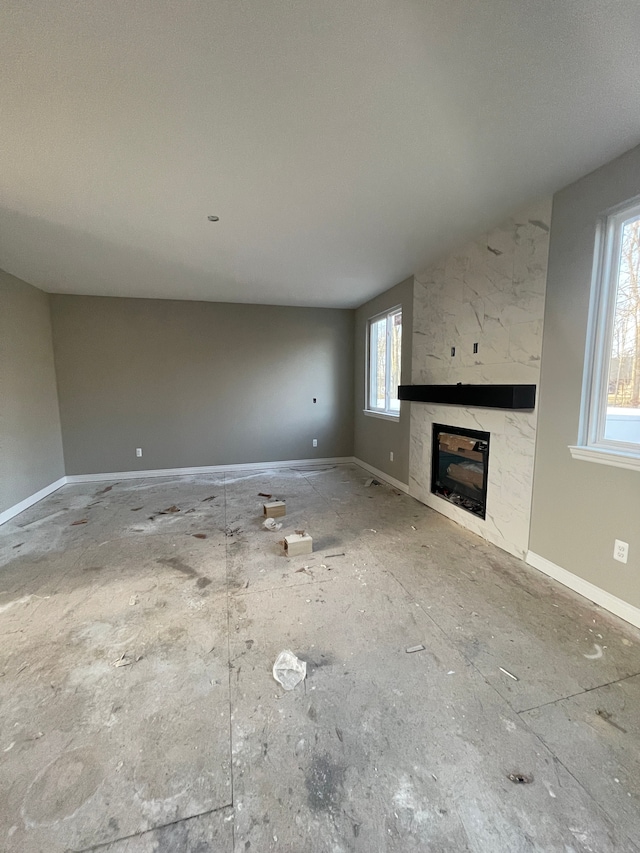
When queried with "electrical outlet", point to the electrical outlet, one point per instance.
{"points": [[620, 551], [391, 456], [138, 451], [315, 442]]}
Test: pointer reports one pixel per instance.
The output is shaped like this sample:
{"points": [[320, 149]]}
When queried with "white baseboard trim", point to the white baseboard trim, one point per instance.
{"points": [[31, 500], [594, 593], [207, 469], [403, 487]]}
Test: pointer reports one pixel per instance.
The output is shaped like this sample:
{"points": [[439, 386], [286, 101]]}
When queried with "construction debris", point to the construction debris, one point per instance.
{"points": [[169, 509], [82, 521], [288, 670], [372, 482], [510, 674], [274, 509], [199, 535], [520, 778], [606, 716], [418, 648], [210, 498], [231, 531], [264, 495], [270, 524], [298, 543]]}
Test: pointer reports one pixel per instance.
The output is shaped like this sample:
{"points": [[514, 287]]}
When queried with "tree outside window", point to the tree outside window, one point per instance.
{"points": [[613, 364], [384, 362]]}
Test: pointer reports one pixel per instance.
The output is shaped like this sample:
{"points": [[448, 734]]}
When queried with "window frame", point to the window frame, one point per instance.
{"points": [[592, 444], [387, 413]]}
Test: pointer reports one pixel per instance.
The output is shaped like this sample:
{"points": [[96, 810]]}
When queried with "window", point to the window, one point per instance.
{"points": [[611, 405], [385, 351]]}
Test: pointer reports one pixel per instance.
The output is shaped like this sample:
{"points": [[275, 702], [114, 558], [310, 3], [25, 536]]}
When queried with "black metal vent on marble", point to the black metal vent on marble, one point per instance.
{"points": [[486, 396]]}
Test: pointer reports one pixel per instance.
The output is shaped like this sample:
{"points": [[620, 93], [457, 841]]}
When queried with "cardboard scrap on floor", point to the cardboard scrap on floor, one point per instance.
{"points": [[274, 509], [296, 544]]}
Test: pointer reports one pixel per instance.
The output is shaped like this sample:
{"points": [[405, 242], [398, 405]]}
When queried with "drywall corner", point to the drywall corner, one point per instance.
{"points": [[31, 457]]}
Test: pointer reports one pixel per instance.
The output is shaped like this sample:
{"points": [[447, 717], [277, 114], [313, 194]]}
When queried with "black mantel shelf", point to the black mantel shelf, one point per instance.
{"points": [[486, 396]]}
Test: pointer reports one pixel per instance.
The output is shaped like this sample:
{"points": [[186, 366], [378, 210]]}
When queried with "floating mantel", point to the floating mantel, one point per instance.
{"points": [[486, 396]]}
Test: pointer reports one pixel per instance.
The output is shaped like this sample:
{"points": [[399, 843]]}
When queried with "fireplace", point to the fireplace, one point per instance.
{"points": [[459, 463]]}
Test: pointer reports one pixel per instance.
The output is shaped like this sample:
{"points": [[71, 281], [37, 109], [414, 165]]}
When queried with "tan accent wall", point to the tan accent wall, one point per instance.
{"points": [[200, 383], [30, 441], [579, 508]]}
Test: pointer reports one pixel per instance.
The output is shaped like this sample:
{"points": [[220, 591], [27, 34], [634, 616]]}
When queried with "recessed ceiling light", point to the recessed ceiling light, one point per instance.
{"points": [[213, 218]]}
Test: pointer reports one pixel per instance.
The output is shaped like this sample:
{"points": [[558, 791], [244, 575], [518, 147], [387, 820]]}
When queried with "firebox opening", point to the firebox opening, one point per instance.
{"points": [[459, 464]]}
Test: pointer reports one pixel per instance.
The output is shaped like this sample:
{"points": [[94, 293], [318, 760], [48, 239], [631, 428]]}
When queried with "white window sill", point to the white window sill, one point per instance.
{"points": [[605, 456], [383, 415]]}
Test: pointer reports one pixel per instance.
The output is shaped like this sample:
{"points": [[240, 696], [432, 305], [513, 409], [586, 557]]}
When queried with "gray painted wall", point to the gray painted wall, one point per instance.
{"points": [[579, 508], [199, 383], [374, 437], [30, 442]]}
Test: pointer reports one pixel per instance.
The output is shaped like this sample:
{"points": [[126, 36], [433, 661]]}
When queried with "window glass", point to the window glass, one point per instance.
{"points": [[384, 362], [622, 416]]}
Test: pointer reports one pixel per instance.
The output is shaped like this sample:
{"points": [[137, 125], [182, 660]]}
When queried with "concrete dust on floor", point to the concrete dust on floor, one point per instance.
{"points": [[139, 710]]}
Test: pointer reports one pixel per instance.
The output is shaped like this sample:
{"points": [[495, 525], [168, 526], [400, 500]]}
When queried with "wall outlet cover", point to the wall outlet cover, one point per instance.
{"points": [[621, 551]]}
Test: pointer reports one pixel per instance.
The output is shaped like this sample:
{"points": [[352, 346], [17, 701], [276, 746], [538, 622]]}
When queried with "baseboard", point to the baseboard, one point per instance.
{"points": [[31, 500], [403, 487], [206, 469], [594, 593]]}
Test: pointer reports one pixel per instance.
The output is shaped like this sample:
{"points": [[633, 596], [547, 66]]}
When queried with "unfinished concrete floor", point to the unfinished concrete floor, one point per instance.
{"points": [[139, 712]]}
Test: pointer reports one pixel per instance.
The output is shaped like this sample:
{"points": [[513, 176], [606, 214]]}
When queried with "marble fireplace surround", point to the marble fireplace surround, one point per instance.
{"points": [[509, 470], [491, 292]]}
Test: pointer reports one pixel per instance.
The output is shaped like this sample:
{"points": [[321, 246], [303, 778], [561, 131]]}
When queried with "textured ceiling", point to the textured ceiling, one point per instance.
{"points": [[344, 144]]}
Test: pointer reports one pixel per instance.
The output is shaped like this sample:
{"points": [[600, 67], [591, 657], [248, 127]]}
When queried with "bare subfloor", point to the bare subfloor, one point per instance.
{"points": [[139, 712]]}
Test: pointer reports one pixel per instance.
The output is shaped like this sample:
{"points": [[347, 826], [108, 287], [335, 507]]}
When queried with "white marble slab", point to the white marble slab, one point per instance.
{"points": [[491, 293]]}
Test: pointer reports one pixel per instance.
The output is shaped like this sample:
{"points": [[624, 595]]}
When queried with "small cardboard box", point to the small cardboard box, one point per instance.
{"points": [[465, 475], [456, 442], [274, 509], [298, 543]]}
